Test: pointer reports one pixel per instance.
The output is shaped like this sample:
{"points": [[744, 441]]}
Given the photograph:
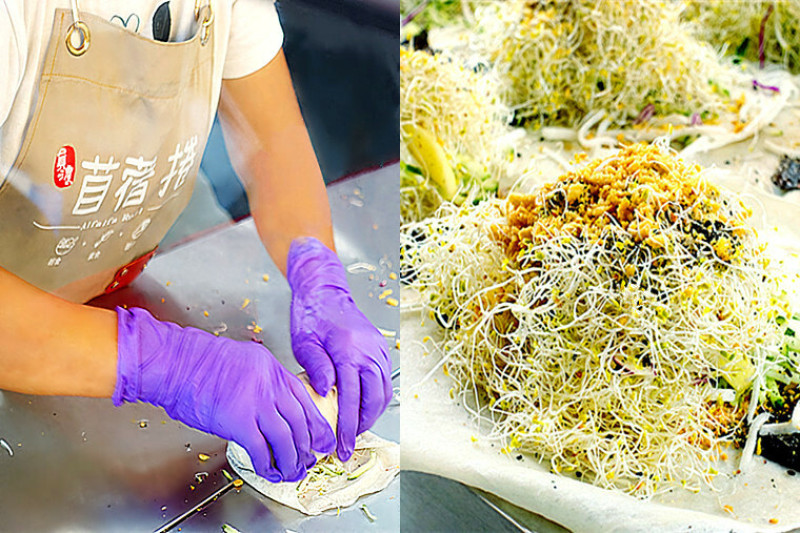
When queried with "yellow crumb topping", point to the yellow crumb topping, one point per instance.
{"points": [[643, 195]]}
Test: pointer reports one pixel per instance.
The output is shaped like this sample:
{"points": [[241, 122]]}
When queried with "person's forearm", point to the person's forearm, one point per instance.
{"points": [[271, 152], [51, 346], [288, 198]]}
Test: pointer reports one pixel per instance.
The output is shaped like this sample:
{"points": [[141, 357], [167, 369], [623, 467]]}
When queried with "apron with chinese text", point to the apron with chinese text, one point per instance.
{"points": [[110, 154]]}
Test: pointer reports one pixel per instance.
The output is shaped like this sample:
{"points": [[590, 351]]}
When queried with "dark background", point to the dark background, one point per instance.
{"points": [[344, 59]]}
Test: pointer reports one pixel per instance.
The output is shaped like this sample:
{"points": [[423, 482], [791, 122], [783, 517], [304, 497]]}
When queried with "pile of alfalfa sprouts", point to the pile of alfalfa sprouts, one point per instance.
{"points": [[461, 109], [616, 322], [547, 63], [560, 60], [757, 30]]}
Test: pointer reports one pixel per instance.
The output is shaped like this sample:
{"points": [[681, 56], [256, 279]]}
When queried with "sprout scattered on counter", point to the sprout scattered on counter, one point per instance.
{"points": [[371, 517]]}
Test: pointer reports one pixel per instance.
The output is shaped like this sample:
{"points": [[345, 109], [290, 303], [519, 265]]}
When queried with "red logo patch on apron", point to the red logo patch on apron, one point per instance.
{"points": [[64, 167], [129, 272]]}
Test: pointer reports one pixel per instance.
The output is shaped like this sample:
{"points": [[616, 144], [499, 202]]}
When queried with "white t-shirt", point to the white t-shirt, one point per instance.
{"points": [[248, 35]]}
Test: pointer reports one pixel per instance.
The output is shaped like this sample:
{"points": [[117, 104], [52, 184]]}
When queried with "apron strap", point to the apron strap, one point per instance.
{"points": [[75, 14]]}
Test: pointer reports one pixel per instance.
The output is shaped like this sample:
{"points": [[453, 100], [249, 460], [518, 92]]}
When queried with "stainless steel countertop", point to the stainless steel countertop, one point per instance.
{"points": [[81, 464], [459, 507]]}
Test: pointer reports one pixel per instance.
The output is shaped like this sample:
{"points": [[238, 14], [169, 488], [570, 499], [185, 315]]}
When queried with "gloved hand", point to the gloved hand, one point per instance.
{"points": [[235, 390], [335, 342]]}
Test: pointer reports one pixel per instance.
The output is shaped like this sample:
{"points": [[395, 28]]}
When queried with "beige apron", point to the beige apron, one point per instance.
{"points": [[110, 154]]}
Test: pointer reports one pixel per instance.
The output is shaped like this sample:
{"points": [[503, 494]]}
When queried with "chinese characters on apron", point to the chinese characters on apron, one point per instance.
{"points": [[110, 154]]}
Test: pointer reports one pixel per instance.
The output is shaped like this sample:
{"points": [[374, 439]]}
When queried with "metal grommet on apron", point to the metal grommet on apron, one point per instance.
{"points": [[110, 154], [204, 15], [81, 30]]}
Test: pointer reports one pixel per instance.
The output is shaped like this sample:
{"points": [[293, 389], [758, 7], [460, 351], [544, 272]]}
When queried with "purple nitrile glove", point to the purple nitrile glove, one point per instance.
{"points": [[235, 390], [335, 342]]}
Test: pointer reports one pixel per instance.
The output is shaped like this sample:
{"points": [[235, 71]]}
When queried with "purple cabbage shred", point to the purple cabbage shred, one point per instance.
{"points": [[770, 9], [758, 85], [414, 12], [645, 114]]}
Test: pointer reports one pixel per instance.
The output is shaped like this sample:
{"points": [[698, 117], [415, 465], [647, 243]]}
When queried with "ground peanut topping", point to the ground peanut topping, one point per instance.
{"points": [[642, 196]]}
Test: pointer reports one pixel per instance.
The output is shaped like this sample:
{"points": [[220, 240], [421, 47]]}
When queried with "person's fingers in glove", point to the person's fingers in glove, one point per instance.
{"points": [[329, 331], [284, 450], [349, 402], [235, 390], [310, 410], [318, 365], [374, 398], [362, 399], [260, 455], [373, 374]]}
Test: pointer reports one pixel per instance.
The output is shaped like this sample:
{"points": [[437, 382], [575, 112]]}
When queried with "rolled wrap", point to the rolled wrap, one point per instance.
{"points": [[328, 405], [343, 491]]}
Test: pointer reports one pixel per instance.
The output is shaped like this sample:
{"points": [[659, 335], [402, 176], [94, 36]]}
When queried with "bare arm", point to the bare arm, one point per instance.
{"points": [[51, 346], [272, 154]]}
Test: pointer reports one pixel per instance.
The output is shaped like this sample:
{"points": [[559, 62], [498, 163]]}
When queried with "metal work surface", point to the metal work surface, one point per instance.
{"points": [[462, 508], [81, 464]]}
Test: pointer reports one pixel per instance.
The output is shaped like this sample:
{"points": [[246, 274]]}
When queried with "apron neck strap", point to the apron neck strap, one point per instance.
{"points": [[76, 16]]}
